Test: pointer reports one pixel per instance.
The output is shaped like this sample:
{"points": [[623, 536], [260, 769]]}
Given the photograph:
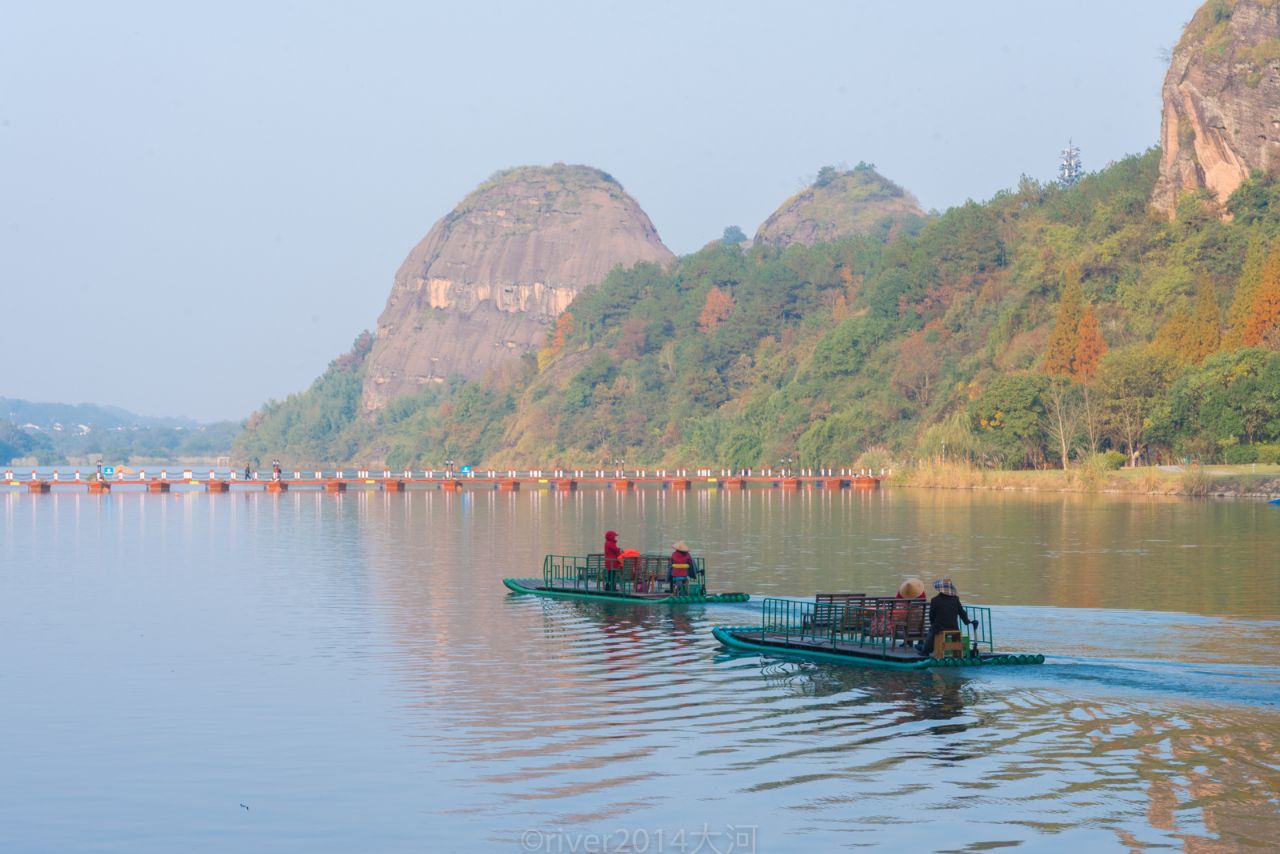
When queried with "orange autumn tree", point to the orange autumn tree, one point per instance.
{"points": [[1192, 335], [1207, 326], [1255, 259], [1090, 346], [1066, 328], [718, 306], [1264, 316], [564, 326], [1075, 350], [1173, 340]]}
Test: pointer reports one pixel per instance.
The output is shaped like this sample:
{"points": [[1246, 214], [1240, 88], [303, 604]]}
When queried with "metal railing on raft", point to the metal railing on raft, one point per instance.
{"points": [[788, 618], [875, 622], [638, 574], [981, 635]]}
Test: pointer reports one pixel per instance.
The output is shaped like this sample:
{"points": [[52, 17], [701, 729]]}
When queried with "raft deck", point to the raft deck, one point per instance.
{"points": [[869, 633], [870, 648]]}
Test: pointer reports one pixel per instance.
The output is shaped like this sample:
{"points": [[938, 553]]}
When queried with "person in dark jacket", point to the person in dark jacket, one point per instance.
{"points": [[945, 614]]}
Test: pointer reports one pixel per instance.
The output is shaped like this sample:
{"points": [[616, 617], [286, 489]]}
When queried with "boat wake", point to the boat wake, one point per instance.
{"points": [[1216, 683]]}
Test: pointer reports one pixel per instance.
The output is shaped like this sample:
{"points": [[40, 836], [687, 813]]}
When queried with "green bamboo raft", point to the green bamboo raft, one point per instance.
{"points": [[642, 580], [867, 632]]}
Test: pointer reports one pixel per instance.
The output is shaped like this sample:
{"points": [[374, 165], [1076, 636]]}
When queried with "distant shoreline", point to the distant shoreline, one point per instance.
{"points": [[1213, 481]]}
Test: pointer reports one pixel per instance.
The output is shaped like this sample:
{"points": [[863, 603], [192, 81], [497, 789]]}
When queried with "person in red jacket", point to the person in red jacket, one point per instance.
{"points": [[681, 568], [612, 552], [612, 559]]}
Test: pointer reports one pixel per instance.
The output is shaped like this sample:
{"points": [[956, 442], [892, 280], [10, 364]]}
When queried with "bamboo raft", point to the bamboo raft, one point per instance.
{"points": [[851, 628], [644, 579]]}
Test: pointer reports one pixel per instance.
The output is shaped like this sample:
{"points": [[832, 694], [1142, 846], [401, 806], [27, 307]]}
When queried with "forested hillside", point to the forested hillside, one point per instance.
{"points": [[1044, 324], [55, 433]]}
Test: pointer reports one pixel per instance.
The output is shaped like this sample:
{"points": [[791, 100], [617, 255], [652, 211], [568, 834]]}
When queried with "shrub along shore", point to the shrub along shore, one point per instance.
{"points": [[1218, 481]]}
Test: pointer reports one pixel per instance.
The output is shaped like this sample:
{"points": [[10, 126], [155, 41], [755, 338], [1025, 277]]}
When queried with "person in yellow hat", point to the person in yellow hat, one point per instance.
{"points": [[912, 588], [681, 568]]}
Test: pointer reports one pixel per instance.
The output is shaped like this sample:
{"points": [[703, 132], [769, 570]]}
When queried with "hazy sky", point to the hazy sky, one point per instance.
{"points": [[201, 206]]}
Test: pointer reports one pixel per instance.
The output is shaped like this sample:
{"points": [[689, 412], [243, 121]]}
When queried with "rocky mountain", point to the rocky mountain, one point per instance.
{"points": [[840, 204], [847, 348], [487, 282], [1221, 118]]}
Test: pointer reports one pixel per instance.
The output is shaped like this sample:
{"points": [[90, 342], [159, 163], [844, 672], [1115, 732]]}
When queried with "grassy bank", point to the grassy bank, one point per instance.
{"points": [[1216, 481]]}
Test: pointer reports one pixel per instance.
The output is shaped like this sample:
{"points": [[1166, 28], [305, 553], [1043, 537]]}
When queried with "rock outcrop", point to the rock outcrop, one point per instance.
{"points": [[487, 282], [840, 204], [1221, 118]]}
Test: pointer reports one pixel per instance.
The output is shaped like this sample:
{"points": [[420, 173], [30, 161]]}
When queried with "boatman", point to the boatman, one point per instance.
{"points": [[945, 614]]}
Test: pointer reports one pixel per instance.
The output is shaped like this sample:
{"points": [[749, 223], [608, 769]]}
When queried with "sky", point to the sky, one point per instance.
{"points": [[201, 205]]}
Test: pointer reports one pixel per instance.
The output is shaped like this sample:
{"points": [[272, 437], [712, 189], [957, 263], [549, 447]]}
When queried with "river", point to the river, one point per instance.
{"points": [[310, 672]]}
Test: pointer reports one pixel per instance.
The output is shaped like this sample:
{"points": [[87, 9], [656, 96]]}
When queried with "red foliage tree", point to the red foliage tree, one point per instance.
{"points": [[922, 356], [718, 306]]}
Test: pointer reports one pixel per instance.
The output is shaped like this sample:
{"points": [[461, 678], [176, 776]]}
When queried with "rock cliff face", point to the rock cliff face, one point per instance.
{"points": [[1221, 116], [840, 204], [487, 282]]}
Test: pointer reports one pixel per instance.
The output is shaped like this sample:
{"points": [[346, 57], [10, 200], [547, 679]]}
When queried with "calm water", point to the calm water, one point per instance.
{"points": [[311, 672]]}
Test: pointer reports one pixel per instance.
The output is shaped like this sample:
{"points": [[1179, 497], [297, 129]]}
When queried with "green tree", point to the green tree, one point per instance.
{"points": [[1233, 398], [1256, 200], [1130, 383], [1009, 412], [741, 450]]}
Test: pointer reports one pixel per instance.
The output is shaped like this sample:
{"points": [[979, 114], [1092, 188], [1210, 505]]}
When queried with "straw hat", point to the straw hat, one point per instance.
{"points": [[681, 546], [911, 588], [944, 585]]}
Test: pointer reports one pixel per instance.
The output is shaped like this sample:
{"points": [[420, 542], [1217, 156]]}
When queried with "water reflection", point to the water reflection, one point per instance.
{"points": [[357, 658]]}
